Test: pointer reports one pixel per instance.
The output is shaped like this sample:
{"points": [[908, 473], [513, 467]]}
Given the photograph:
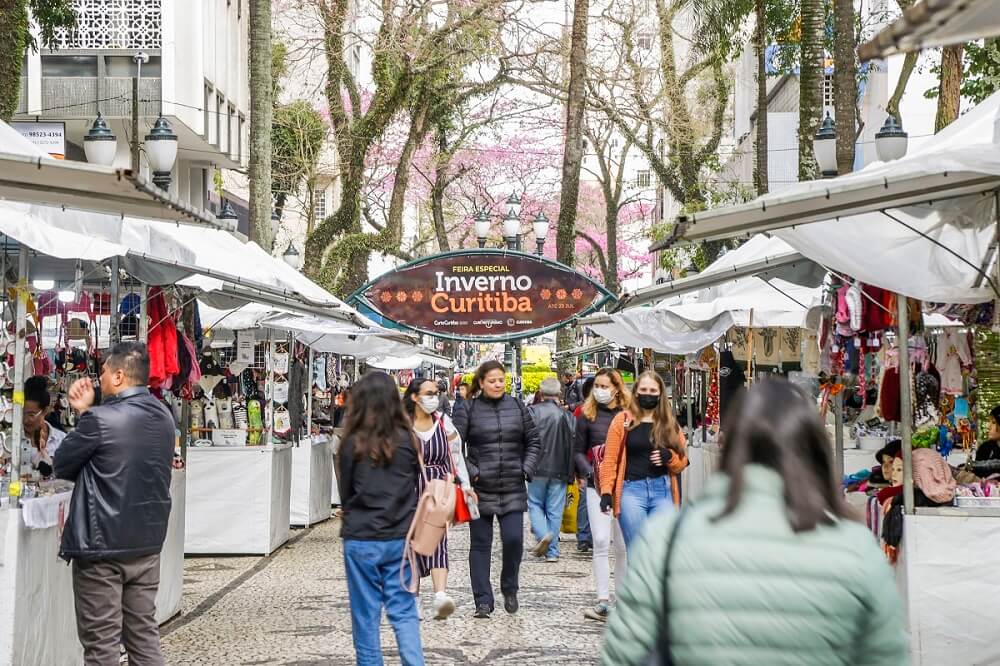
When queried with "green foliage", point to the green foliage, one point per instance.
{"points": [[51, 15], [297, 136], [279, 66], [982, 70], [530, 379]]}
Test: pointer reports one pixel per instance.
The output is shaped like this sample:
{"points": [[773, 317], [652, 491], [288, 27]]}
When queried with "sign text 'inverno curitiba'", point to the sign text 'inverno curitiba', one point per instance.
{"points": [[482, 295]]}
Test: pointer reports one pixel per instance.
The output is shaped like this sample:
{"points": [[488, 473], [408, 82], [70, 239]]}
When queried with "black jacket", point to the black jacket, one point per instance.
{"points": [[590, 434], [120, 458], [556, 431], [379, 502], [503, 447], [573, 394]]}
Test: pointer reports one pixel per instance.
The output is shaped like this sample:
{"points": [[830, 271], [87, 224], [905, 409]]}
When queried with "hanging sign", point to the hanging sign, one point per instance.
{"points": [[245, 343], [484, 295]]}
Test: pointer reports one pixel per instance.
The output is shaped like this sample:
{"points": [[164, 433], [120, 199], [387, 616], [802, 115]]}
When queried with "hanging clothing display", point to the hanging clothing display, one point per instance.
{"points": [[162, 343], [953, 353]]}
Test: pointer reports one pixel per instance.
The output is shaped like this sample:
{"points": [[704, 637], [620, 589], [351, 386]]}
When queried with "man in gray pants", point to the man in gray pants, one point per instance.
{"points": [[120, 458]]}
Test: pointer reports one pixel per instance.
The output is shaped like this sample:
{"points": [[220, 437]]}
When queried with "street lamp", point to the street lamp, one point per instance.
{"points": [[540, 226], [161, 151], [514, 205], [891, 141], [100, 144], [227, 216], [825, 147], [482, 221], [292, 257], [511, 228]]}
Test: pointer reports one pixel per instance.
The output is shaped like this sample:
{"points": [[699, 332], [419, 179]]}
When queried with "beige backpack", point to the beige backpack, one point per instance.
{"points": [[435, 511]]}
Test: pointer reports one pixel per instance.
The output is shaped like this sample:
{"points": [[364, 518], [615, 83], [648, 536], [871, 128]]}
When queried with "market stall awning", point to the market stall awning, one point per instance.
{"points": [[758, 255], [932, 23], [962, 159], [595, 348], [411, 362]]}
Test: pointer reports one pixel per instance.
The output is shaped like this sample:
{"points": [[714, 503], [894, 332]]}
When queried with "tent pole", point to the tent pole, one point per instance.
{"points": [[114, 336], [144, 315], [906, 400], [20, 334], [838, 435], [689, 381], [309, 394]]}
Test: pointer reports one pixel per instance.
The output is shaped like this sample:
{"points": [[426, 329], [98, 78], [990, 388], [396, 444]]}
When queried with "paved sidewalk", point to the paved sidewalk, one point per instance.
{"points": [[292, 608]]}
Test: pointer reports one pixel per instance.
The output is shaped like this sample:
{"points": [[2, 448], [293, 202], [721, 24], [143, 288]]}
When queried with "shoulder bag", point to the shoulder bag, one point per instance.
{"points": [[435, 509], [660, 654], [462, 514]]}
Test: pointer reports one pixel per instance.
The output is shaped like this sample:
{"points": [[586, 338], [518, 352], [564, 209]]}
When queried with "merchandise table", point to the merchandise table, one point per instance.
{"points": [[168, 597], [312, 481], [334, 451], [238, 499], [37, 619]]}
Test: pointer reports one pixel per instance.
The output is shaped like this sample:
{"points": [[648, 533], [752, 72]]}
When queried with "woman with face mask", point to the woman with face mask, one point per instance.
{"points": [[607, 398], [644, 456], [504, 450], [442, 455]]}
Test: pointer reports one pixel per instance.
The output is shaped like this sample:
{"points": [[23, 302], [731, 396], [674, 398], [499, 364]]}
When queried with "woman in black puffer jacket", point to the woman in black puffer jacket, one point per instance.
{"points": [[503, 450]]}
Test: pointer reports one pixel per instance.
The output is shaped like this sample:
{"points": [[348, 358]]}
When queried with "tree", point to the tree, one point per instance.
{"points": [[572, 153], [812, 21], [15, 34], [982, 70], [261, 119], [909, 64], [949, 87], [845, 82], [297, 138], [413, 50], [760, 175]]}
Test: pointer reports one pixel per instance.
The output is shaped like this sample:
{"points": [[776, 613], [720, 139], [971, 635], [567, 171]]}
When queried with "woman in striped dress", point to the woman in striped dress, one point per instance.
{"points": [[442, 455]]}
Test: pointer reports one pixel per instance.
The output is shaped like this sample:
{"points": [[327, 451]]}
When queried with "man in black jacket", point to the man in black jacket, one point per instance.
{"points": [[547, 490], [120, 458], [573, 391]]}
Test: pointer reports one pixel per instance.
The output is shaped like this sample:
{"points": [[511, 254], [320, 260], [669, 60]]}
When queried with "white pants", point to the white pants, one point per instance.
{"points": [[601, 527]]}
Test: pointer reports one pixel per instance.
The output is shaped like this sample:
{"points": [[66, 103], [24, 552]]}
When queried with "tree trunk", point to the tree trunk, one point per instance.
{"points": [[845, 86], [14, 32], [611, 271], [909, 64], [572, 152], [760, 174], [346, 220], [401, 181], [261, 114], [810, 85], [950, 87]]}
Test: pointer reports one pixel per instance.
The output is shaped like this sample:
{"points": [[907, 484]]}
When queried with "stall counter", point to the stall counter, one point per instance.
{"points": [[312, 481], [238, 499], [168, 596]]}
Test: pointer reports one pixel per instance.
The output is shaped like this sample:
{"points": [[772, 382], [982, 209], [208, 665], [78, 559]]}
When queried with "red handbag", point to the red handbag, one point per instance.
{"points": [[462, 514]]}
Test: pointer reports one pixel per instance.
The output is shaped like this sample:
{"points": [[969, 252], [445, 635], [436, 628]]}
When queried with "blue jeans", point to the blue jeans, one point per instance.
{"points": [[640, 499], [546, 501], [583, 535], [373, 583]]}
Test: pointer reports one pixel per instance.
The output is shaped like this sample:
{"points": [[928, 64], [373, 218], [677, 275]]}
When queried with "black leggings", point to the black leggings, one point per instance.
{"points": [[480, 551]]}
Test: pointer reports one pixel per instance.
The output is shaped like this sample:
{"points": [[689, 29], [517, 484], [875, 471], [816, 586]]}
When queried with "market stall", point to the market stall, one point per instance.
{"points": [[923, 229]]}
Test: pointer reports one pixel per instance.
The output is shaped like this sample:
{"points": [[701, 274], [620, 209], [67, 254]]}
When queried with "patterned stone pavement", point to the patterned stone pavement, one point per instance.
{"points": [[292, 608]]}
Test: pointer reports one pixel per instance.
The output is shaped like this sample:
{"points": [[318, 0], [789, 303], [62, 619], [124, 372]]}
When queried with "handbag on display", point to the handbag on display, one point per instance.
{"points": [[225, 409], [279, 362], [197, 415], [282, 421], [435, 509], [255, 423], [280, 389], [211, 415], [240, 416]]}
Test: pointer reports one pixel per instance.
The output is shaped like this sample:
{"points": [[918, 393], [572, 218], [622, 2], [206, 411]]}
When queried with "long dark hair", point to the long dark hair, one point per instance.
{"points": [[480, 376], [774, 425], [666, 432], [413, 389], [374, 418]]}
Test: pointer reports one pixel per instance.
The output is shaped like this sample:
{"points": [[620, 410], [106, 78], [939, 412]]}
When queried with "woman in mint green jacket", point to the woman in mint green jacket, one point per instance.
{"points": [[768, 567]]}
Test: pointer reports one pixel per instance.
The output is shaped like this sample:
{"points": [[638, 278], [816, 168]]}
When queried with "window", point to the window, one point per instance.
{"points": [[319, 205], [209, 91], [229, 130], [124, 67], [828, 92], [69, 66], [239, 139], [220, 103], [643, 178], [645, 41], [614, 142]]}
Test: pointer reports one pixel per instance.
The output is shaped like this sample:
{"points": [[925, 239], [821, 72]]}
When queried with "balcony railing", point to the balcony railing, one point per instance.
{"points": [[83, 97]]}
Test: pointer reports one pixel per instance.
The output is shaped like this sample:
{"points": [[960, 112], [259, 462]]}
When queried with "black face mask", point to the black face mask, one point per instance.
{"points": [[648, 401]]}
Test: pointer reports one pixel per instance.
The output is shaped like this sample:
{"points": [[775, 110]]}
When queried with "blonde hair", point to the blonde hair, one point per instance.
{"points": [[621, 400], [666, 432]]}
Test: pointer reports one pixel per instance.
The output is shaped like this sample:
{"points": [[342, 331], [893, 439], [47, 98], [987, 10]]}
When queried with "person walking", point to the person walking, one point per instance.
{"points": [[442, 455], [606, 400], [547, 491], [119, 456], [645, 453], [768, 566], [572, 396], [503, 448], [584, 538], [379, 470]]}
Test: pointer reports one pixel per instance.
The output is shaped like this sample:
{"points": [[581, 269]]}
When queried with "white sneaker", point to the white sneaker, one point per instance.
{"points": [[444, 606], [420, 610]]}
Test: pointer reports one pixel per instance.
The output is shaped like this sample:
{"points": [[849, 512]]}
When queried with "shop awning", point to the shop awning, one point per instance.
{"points": [[411, 362], [595, 348], [760, 254], [962, 159], [932, 23]]}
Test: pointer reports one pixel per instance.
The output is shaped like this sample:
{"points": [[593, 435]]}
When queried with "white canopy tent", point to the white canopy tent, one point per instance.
{"points": [[411, 362], [684, 324], [932, 23]]}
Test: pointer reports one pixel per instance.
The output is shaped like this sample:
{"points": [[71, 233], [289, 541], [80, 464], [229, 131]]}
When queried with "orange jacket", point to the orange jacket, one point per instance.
{"points": [[612, 475]]}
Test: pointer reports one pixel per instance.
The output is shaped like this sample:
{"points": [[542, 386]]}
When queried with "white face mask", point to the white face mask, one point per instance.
{"points": [[429, 403], [603, 395]]}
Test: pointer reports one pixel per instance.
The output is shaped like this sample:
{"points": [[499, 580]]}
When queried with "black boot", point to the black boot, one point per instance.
{"points": [[510, 603], [483, 612]]}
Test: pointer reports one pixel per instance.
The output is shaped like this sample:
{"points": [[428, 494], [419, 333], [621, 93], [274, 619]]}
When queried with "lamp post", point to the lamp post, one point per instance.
{"points": [[512, 228], [292, 257], [825, 147], [228, 216], [482, 221], [891, 141], [100, 144], [161, 152], [540, 226]]}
